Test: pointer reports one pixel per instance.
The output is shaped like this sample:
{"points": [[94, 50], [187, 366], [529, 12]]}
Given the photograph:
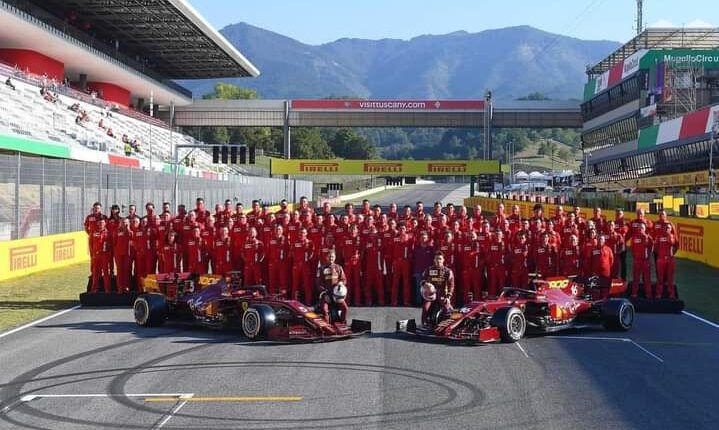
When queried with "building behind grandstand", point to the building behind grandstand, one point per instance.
{"points": [[649, 109]]}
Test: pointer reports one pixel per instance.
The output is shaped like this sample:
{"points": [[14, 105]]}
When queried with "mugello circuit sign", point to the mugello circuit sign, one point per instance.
{"points": [[388, 105], [384, 167]]}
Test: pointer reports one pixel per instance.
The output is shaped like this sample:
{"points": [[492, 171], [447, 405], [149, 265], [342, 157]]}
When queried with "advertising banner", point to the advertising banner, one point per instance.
{"points": [[384, 167], [26, 256], [388, 105]]}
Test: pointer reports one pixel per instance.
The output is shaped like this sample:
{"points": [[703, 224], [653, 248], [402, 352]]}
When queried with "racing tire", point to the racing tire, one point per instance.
{"points": [[257, 321], [436, 314], [617, 314], [511, 324], [150, 310]]}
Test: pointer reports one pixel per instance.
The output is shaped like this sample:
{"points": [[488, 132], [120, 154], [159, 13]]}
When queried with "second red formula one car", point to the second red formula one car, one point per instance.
{"points": [[216, 302], [548, 306]]}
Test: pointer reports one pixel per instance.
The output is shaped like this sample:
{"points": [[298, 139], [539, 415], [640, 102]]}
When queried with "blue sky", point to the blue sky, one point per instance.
{"points": [[320, 21]]}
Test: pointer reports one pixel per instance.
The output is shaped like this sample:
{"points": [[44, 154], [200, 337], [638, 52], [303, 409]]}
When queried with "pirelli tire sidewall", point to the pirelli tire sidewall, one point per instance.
{"points": [[511, 323], [257, 321], [150, 310], [617, 314]]}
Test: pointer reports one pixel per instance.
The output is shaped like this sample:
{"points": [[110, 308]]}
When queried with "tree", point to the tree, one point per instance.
{"points": [[308, 143], [347, 144], [231, 92], [534, 96]]}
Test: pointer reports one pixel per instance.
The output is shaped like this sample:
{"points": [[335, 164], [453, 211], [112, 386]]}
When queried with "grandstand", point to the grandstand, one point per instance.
{"points": [[81, 75], [649, 108]]}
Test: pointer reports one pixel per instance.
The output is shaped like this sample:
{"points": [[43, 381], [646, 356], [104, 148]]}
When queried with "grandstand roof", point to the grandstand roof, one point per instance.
{"points": [[660, 38], [168, 37]]}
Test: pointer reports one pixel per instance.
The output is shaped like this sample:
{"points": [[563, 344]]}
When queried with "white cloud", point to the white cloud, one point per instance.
{"points": [[662, 23], [698, 23]]}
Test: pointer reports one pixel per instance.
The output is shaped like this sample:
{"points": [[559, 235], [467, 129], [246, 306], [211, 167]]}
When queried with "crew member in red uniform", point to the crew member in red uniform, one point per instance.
{"points": [[638, 221], [599, 222], [279, 256], [471, 262], [100, 256], [351, 248], [401, 274], [515, 219], [665, 245], [194, 249], [169, 255], [559, 218], [122, 238], [518, 253], [373, 268], [442, 278], [602, 264], [200, 211], [238, 236], [616, 241], [92, 219], [254, 214], [392, 213], [178, 221], [621, 226], [496, 263], [329, 275], [448, 247], [302, 254], [569, 257], [545, 257], [221, 253], [144, 247], [113, 223], [253, 255], [642, 246], [499, 217], [590, 242]]}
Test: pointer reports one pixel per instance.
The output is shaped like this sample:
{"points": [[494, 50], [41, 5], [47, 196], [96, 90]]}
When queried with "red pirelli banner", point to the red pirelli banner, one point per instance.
{"points": [[388, 105], [384, 167]]}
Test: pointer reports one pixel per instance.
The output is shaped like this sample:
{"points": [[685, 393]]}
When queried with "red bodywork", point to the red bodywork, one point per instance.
{"points": [[223, 303], [554, 304]]}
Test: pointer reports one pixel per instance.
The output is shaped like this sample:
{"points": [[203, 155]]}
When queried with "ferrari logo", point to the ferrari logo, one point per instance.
{"points": [[245, 305]]}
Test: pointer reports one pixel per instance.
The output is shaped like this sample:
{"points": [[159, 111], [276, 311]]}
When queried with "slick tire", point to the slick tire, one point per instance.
{"points": [[617, 314], [257, 321], [511, 323], [150, 310]]}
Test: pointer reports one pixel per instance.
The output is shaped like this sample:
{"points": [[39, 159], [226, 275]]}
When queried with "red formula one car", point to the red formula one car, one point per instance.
{"points": [[217, 302], [549, 305]]}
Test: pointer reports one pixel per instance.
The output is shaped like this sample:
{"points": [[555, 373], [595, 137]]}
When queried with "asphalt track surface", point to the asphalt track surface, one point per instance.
{"points": [[94, 368]]}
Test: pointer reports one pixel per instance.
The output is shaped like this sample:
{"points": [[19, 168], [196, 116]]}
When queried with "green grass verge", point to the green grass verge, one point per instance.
{"points": [[696, 283], [35, 296]]}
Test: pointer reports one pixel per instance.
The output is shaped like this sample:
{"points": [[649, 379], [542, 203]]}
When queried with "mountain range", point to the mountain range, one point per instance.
{"points": [[512, 62]]}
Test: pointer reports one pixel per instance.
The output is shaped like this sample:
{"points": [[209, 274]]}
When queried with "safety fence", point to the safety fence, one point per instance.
{"points": [[692, 233], [42, 196]]}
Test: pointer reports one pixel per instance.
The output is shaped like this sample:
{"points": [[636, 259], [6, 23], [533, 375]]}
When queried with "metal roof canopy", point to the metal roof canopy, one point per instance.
{"points": [[166, 36], [660, 38]]}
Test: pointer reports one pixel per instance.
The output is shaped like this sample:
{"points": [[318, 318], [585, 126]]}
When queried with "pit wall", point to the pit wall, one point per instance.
{"points": [[28, 256], [694, 235]]}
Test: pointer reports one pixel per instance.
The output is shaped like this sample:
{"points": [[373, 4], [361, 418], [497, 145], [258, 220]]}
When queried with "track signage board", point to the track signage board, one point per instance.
{"points": [[388, 105], [384, 167]]}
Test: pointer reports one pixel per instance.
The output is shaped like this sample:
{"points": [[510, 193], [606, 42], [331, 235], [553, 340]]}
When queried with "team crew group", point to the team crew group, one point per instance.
{"points": [[384, 254]]}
